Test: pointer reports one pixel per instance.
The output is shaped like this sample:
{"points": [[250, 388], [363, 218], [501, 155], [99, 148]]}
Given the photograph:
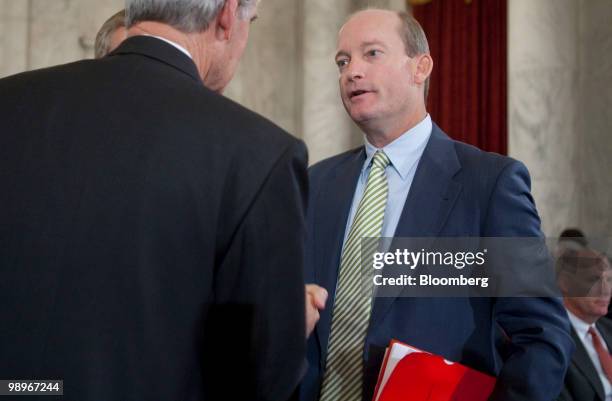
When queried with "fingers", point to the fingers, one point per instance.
{"points": [[315, 299], [318, 295]]}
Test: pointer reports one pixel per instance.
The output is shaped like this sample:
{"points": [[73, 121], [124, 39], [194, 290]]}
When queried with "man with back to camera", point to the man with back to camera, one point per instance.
{"points": [[111, 34], [411, 180], [151, 228], [585, 279]]}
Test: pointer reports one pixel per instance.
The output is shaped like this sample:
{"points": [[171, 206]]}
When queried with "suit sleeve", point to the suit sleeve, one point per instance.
{"points": [[540, 347], [255, 342]]}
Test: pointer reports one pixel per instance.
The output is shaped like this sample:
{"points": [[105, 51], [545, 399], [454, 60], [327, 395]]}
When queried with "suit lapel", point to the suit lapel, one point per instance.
{"points": [[431, 197], [584, 364], [333, 205]]}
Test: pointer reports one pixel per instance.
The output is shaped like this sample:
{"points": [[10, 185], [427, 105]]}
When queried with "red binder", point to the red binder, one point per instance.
{"points": [[409, 374]]}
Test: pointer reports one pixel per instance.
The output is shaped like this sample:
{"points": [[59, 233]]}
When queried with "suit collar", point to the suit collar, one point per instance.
{"points": [[580, 326], [159, 50], [433, 190]]}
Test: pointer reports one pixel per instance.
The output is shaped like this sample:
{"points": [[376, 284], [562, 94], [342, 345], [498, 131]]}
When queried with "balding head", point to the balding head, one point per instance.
{"points": [[381, 84]]}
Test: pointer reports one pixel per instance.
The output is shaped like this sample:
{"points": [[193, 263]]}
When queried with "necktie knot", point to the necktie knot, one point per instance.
{"points": [[381, 160]]}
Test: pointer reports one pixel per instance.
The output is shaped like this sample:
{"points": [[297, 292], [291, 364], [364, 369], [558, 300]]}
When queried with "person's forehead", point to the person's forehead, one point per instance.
{"points": [[370, 26]]}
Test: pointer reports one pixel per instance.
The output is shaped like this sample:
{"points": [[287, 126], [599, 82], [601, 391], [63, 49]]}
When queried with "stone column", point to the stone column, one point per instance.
{"points": [[595, 105], [327, 129], [267, 79], [542, 104]]}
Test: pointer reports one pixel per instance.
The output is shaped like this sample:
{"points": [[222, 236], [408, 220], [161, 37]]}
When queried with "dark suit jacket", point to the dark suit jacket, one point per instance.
{"points": [[582, 383], [151, 234], [458, 191]]}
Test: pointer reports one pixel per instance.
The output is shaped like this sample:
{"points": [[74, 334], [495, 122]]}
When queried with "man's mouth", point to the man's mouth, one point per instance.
{"points": [[357, 93]]}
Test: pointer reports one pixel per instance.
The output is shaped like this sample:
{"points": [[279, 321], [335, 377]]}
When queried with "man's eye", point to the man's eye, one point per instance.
{"points": [[373, 53], [341, 63]]}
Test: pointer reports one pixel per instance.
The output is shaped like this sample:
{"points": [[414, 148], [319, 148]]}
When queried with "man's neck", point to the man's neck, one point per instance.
{"points": [[382, 135], [194, 43]]}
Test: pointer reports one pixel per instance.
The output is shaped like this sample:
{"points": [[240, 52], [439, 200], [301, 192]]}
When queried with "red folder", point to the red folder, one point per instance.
{"points": [[409, 374]]}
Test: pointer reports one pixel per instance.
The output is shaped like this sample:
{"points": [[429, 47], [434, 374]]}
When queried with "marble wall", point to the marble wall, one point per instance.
{"points": [[40, 33], [557, 121], [14, 36], [595, 117]]}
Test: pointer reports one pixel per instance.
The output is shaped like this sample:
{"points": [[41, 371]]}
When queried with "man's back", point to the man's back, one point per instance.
{"points": [[140, 219]]}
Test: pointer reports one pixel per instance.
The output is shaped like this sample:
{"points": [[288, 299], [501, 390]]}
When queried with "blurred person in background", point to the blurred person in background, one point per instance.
{"points": [[585, 280]]}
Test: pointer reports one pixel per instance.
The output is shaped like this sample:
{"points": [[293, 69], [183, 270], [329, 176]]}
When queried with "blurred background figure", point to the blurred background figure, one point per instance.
{"points": [[110, 35], [570, 239], [585, 280]]}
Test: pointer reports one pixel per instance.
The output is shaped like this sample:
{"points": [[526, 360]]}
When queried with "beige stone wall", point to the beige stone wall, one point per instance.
{"points": [[14, 36], [41, 33], [560, 95]]}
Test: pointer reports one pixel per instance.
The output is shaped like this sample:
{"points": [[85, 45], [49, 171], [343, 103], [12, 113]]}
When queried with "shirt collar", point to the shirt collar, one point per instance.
{"points": [[404, 151], [581, 327], [181, 48]]}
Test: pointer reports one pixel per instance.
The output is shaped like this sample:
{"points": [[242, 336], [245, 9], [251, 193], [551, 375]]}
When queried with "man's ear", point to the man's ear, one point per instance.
{"points": [[424, 67], [225, 20]]}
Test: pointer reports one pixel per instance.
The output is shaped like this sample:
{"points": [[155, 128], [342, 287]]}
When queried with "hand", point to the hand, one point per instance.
{"points": [[315, 301]]}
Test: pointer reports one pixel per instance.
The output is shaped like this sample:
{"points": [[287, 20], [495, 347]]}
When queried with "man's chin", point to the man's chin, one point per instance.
{"points": [[361, 117]]}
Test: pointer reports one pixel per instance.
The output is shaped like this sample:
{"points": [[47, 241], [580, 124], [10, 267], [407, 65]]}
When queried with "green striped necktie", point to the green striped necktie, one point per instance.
{"points": [[343, 376]]}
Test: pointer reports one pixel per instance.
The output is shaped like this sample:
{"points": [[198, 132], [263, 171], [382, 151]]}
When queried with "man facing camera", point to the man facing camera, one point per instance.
{"points": [[152, 229], [585, 278], [411, 180]]}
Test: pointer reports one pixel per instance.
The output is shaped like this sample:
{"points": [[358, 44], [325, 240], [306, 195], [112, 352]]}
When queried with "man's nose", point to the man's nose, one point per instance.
{"points": [[355, 70]]}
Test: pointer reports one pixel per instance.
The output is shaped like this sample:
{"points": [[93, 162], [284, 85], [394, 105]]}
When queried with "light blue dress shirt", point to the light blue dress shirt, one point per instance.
{"points": [[404, 154]]}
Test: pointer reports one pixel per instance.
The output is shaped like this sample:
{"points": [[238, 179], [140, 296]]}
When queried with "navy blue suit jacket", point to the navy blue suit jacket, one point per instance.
{"points": [[458, 191]]}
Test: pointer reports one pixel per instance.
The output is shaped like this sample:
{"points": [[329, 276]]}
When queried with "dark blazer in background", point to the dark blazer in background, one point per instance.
{"points": [[582, 382], [457, 191], [151, 234]]}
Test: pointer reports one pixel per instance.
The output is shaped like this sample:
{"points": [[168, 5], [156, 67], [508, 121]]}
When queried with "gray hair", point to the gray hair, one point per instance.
{"points": [[185, 15], [102, 44], [414, 39]]}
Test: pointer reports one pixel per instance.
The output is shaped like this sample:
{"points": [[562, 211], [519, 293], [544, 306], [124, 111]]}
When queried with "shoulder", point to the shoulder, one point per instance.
{"points": [[482, 171], [493, 164]]}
